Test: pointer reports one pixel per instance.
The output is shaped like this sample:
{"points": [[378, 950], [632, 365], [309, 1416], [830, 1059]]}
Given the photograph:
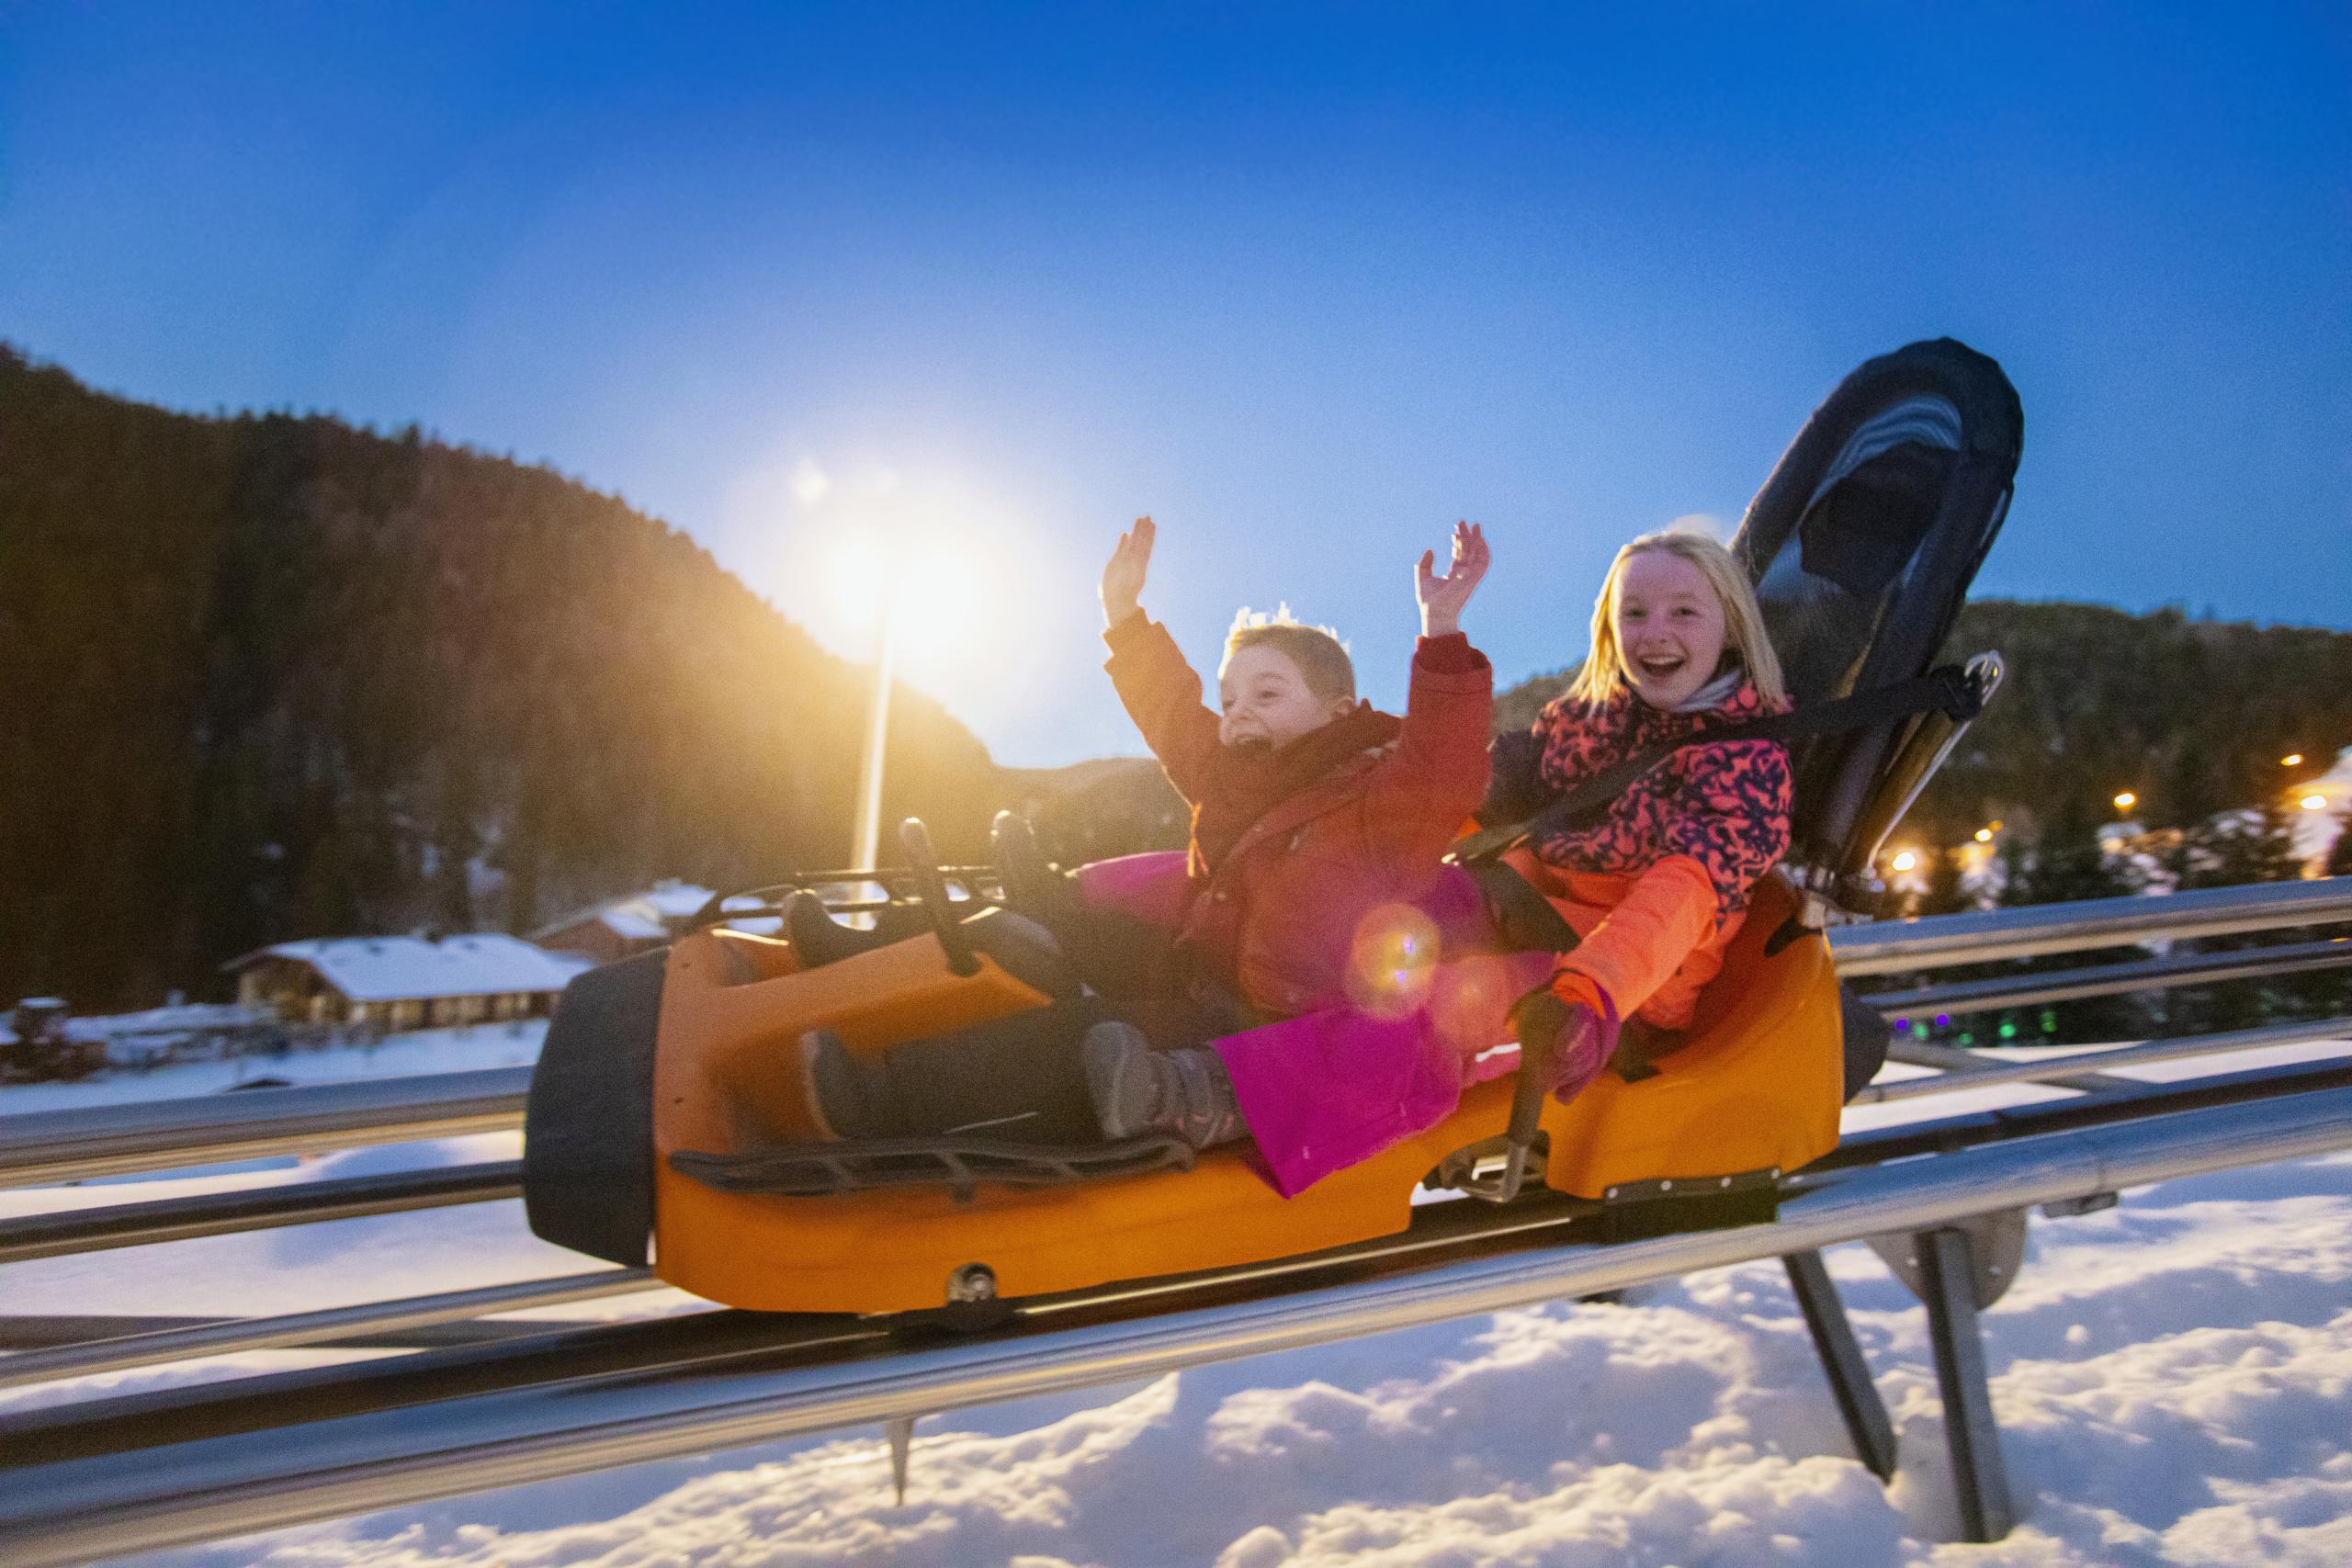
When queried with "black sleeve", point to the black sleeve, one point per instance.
{"points": [[1516, 791]]}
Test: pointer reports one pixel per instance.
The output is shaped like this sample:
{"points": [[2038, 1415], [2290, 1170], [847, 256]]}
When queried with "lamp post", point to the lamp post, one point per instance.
{"points": [[868, 838]]}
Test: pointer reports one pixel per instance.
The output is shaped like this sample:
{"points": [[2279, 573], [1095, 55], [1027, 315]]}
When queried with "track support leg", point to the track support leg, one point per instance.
{"points": [[1867, 1424], [1947, 1268]]}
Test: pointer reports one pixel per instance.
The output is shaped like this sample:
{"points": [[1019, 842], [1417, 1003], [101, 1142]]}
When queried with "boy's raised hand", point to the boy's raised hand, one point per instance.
{"points": [[1123, 579], [1441, 598]]}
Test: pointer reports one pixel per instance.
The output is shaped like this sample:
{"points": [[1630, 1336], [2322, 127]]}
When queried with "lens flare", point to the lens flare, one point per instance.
{"points": [[1392, 961]]}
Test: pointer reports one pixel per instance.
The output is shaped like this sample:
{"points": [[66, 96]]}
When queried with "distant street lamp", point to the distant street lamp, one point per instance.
{"points": [[868, 838], [912, 594], [2292, 760], [2125, 800], [2315, 802]]}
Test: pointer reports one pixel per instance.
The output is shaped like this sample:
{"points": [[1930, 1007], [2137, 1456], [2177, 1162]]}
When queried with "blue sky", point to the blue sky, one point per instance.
{"points": [[978, 284]]}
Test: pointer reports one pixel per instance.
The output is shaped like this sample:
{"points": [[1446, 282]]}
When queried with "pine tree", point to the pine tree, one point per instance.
{"points": [[2068, 862]]}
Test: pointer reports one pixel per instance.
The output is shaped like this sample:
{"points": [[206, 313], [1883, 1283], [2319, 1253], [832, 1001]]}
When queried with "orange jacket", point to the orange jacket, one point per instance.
{"points": [[1649, 942], [1277, 916]]}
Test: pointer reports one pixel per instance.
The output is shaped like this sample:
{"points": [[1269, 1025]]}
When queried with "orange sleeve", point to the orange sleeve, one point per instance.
{"points": [[1641, 941]]}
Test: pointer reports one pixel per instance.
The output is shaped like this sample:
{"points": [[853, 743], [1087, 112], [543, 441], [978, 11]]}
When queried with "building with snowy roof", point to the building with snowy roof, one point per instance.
{"points": [[618, 928], [405, 982]]}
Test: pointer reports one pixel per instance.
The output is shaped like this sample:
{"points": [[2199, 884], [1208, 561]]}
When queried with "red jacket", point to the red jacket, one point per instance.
{"points": [[1276, 914]]}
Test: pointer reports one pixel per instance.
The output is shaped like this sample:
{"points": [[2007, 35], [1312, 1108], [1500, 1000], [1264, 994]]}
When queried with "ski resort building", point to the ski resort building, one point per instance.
{"points": [[405, 982], [617, 927]]}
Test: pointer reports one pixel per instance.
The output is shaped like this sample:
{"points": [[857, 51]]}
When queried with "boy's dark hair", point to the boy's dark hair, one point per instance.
{"points": [[1321, 658]]}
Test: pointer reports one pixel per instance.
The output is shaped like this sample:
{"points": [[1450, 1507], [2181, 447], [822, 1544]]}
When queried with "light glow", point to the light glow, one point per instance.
{"points": [[1393, 961], [927, 593], [1903, 859], [856, 577], [2126, 800], [2314, 803], [1984, 835], [2292, 760]]}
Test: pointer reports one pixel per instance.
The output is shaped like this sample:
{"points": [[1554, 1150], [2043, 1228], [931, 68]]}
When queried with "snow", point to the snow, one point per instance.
{"points": [[2173, 1377], [396, 968]]}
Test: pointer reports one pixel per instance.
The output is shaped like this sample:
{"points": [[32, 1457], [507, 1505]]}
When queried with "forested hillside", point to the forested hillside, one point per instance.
{"points": [[266, 677], [2190, 715]]}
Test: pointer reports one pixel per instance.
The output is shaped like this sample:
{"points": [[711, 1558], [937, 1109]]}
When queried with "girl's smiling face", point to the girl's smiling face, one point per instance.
{"points": [[1670, 627]]}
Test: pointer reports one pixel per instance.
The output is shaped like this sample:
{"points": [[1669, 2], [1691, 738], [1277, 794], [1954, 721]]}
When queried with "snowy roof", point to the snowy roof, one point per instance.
{"points": [[641, 916], [677, 900], [396, 968]]}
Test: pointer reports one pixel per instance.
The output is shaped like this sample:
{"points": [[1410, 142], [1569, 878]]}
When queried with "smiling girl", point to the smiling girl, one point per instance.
{"points": [[1657, 888]]}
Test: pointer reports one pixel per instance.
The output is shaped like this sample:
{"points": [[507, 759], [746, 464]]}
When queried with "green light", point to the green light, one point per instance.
{"points": [[2008, 1032], [1968, 1037], [1919, 1030]]}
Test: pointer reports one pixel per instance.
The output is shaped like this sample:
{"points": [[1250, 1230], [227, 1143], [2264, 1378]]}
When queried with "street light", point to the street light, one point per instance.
{"points": [[868, 838], [2313, 802], [909, 589], [2125, 800], [2292, 760]]}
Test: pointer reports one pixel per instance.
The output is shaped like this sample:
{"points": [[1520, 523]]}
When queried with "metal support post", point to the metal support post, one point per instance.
{"points": [[1867, 1424], [1948, 1273]]}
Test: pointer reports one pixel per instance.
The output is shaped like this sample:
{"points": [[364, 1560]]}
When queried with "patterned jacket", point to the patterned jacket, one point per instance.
{"points": [[1657, 886]]}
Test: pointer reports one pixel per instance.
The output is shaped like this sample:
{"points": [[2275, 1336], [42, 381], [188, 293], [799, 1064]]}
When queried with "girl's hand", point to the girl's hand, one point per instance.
{"points": [[1123, 579], [1441, 598]]}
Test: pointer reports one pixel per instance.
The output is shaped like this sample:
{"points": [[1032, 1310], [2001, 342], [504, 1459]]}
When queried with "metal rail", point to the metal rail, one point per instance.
{"points": [[316, 1327], [2107, 979], [1940, 942], [64, 1231], [73, 1509], [166, 1134], [1979, 1073]]}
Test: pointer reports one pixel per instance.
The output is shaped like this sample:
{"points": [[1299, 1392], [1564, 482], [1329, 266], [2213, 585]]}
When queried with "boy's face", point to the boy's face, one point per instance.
{"points": [[1670, 627], [1266, 700]]}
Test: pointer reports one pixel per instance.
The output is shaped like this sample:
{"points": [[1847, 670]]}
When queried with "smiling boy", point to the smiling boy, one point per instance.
{"points": [[1311, 810]]}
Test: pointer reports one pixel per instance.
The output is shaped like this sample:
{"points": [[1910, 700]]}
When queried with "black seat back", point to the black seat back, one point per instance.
{"points": [[1861, 546]]}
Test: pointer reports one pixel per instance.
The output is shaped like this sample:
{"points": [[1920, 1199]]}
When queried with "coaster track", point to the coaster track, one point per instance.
{"points": [[115, 1474]]}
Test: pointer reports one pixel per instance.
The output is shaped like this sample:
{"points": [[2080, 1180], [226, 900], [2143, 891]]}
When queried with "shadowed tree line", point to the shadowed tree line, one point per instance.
{"points": [[266, 677]]}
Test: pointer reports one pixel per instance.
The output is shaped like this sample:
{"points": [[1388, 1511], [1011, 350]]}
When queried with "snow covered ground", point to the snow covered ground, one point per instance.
{"points": [[2174, 1379]]}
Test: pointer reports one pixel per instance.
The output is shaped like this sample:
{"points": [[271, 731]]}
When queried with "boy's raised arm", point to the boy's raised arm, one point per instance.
{"points": [[1123, 578], [1161, 692], [1438, 773], [1441, 598]]}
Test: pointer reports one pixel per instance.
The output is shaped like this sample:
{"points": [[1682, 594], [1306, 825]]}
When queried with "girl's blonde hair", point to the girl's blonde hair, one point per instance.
{"points": [[1604, 668]]}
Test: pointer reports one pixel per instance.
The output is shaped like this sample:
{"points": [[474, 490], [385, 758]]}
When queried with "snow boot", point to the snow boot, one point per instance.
{"points": [[1137, 1090]]}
